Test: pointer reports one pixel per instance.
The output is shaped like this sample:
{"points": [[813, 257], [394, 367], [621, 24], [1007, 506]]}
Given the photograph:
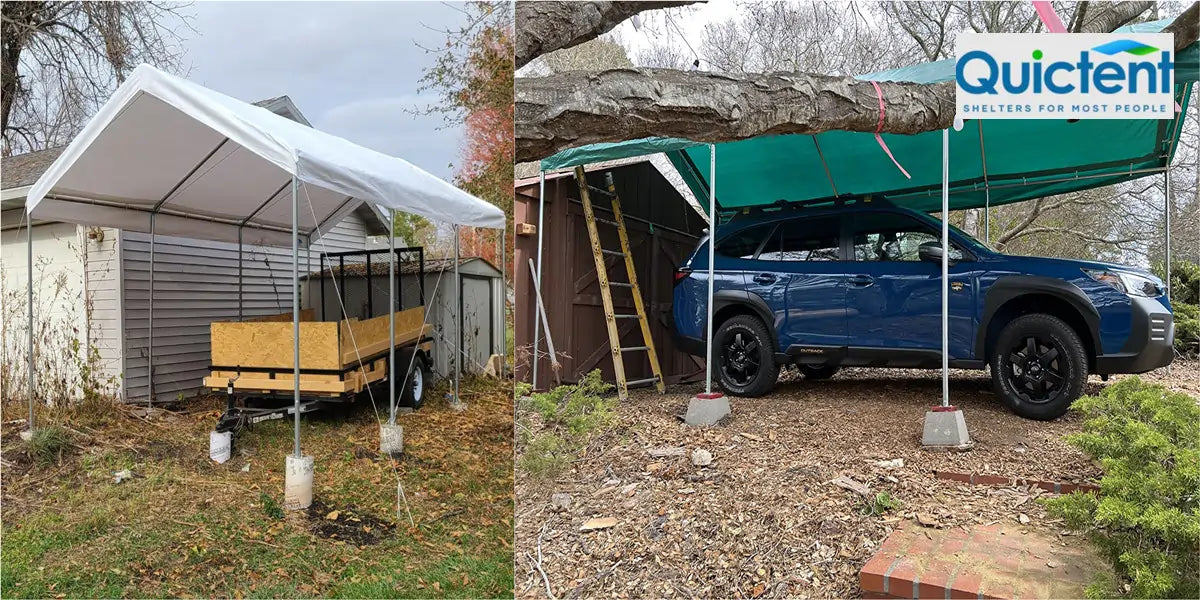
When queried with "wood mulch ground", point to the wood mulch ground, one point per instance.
{"points": [[764, 519]]}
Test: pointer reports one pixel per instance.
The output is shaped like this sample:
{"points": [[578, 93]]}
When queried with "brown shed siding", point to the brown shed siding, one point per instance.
{"points": [[663, 231]]}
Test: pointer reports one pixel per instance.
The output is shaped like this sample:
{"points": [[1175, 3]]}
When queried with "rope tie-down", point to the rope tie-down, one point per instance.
{"points": [[879, 130]]}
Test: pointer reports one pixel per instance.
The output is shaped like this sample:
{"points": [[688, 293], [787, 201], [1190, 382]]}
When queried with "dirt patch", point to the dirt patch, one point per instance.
{"points": [[764, 518], [346, 524]]}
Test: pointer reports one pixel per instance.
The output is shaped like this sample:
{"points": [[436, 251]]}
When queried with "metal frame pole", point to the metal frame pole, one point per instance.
{"points": [[503, 300], [150, 333], [296, 312], [712, 242], [29, 286], [391, 316], [239, 300], [459, 329], [1167, 214], [945, 267], [537, 310], [987, 190]]}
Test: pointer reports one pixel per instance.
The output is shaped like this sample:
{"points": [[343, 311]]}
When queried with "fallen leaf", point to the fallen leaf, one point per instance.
{"points": [[1023, 518], [333, 515], [598, 523]]}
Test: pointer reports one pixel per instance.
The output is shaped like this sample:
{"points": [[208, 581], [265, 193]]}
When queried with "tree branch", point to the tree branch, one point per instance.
{"points": [[543, 27]]}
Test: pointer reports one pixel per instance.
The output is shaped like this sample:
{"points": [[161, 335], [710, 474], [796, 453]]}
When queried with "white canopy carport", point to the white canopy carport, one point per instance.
{"points": [[168, 156], [208, 165]]}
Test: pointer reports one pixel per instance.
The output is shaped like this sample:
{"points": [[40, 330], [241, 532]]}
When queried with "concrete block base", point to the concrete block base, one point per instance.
{"points": [[298, 482], [706, 409], [945, 427], [391, 439], [26, 435]]}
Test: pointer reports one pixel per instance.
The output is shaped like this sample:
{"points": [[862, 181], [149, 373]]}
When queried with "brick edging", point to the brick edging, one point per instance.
{"points": [[996, 480]]}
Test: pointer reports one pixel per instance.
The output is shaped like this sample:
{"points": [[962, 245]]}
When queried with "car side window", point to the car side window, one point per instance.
{"points": [[744, 243], [804, 240], [893, 237]]}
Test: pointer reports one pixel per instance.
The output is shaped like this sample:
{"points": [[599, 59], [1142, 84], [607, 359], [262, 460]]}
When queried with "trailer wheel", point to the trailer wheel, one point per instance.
{"points": [[413, 387]]}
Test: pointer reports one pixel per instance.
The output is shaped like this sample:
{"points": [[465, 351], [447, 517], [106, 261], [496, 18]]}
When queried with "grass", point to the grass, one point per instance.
{"points": [[184, 526]]}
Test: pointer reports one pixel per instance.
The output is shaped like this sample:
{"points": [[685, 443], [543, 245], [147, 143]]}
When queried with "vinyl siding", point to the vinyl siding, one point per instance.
{"points": [[195, 283], [102, 280]]}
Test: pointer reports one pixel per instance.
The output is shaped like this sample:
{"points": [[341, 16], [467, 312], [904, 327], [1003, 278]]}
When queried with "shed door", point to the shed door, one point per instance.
{"points": [[478, 314]]}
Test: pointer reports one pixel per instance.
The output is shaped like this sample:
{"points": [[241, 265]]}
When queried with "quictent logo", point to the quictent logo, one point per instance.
{"points": [[1065, 76]]}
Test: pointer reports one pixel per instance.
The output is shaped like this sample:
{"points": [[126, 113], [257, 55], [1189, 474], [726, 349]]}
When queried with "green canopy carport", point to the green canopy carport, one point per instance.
{"points": [[982, 164], [993, 163]]}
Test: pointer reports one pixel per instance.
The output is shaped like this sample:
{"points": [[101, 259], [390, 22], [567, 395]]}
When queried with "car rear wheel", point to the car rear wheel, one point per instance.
{"points": [[817, 373], [1039, 366], [745, 357]]}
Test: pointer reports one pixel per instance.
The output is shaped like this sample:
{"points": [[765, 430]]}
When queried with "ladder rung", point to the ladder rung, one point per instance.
{"points": [[612, 252], [607, 222], [641, 381], [633, 316], [620, 284], [635, 348], [601, 191]]}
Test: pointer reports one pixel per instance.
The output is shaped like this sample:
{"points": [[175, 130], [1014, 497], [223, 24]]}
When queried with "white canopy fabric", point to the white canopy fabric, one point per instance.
{"points": [[208, 165]]}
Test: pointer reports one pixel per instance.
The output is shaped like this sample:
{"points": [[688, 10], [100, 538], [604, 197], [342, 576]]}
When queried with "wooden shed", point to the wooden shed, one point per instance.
{"points": [[663, 228]]}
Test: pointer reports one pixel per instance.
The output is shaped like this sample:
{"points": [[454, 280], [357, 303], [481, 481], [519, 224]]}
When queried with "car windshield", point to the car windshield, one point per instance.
{"points": [[976, 244]]}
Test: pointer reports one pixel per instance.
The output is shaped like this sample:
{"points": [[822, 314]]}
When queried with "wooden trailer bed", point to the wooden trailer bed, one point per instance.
{"points": [[258, 353]]}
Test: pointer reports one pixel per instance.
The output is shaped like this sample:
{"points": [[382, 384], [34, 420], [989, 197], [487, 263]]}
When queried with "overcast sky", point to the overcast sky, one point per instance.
{"points": [[350, 67]]}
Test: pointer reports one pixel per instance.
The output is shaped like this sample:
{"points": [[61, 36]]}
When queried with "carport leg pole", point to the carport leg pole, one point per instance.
{"points": [[945, 267], [503, 301], [537, 309], [712, 241], [458, 330], [296, 315], [239, 273], [392, 316], [1167, 249], [29, 290], [150, 335]]}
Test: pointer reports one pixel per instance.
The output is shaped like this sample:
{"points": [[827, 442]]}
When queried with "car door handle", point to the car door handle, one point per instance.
{"points": [[764, 278], [861, 280]]}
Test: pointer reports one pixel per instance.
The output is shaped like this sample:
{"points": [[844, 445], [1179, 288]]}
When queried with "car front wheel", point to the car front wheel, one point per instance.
{"points": [[1039, 366], [745, 357]]}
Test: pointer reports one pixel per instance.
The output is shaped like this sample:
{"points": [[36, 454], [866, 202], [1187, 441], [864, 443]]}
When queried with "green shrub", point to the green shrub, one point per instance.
{"points": [[1146, 518], [568, 415], [48, 443], [1187, 327]]}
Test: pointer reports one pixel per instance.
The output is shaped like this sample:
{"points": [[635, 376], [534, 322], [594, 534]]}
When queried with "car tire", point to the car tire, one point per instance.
{"points": [[817, 373], [745, 357], [1039, 366], [414, 388]]}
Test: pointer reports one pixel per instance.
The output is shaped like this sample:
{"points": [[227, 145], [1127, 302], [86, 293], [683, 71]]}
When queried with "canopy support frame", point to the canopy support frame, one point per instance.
{"points": [[391, 314], [712, 242], [824, 164], [150, 332], [29, 286], [537, 308], [945, 267], [987, 190], [296, 315]]}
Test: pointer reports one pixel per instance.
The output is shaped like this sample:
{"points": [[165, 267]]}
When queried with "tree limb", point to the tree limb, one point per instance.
{"points": [[572, 109], [543, 27]]}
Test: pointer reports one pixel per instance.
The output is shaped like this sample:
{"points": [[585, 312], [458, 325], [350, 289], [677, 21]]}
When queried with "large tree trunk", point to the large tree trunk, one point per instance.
{"points": [[543, 27], [572, 109]]}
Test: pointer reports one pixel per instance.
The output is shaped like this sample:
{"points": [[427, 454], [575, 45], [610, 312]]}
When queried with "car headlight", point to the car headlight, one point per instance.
{"points": [[1134, 285]]}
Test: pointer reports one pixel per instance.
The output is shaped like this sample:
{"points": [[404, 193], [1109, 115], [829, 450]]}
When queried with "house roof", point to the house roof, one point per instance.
{"points": [[24, 170]]}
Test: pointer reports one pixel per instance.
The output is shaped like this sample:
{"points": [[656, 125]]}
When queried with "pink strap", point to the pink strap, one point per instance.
{"points": [[879, 128], [1049, 18]]}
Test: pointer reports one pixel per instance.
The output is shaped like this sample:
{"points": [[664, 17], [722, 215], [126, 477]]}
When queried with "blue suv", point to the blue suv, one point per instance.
{"points": [[859, 284]]}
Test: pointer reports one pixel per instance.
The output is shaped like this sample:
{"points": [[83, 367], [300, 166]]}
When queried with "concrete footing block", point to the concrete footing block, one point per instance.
{"points": [[391, 439], [298, 482], [26, 435], [706, 409], [945, 427]]}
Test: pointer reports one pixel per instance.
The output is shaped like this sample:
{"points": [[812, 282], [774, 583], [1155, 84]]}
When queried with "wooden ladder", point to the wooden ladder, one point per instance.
{"points": [[610, 316]]}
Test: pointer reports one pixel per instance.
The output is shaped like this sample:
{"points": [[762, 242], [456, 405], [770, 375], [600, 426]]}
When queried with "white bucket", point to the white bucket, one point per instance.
{"points": [[220, 445], [298, 483], [391, 439]]}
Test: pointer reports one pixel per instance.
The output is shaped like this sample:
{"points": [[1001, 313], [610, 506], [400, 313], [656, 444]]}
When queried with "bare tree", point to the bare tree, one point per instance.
{"points": [[570, 109], [60, 60]]}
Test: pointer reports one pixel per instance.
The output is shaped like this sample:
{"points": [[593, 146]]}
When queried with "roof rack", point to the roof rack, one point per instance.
{"points": [[781, 206]]}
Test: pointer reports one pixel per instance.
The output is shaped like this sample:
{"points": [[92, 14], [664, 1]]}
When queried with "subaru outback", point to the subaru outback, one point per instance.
{"points": [[860, 285]]}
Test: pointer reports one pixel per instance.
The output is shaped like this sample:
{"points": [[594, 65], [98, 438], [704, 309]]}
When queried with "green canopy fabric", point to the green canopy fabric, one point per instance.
{"points": [[991, 161]]}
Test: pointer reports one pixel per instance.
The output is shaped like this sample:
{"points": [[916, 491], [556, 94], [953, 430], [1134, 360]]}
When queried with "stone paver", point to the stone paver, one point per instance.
{"points": [[992, 561]]}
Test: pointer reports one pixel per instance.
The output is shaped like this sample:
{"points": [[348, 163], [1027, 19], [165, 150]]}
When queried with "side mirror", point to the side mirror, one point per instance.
{"points": [[932, 252]]}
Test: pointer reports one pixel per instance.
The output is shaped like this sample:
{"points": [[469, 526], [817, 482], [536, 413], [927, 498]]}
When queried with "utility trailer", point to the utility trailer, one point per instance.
{"points": [[340, 357]]}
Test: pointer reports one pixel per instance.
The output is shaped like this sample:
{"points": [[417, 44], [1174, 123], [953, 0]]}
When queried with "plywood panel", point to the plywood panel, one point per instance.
{"points": [[371, 336], [307, 314], [269, 345]]}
